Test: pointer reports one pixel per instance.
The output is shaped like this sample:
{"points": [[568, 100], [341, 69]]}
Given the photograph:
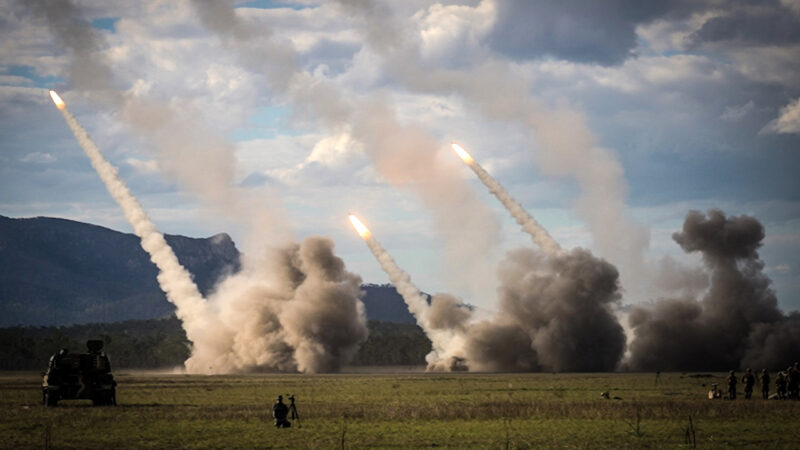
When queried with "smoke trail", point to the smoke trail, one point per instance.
{"points": [[300, 329], [554, 314], [430, 318], [736, 322], [566, 146], [302, 313], [188, 146], [539, 234], [405, 154], [173, 278]]}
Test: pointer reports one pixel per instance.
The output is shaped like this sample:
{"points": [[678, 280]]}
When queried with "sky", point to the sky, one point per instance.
{"points": [[607, 120]]}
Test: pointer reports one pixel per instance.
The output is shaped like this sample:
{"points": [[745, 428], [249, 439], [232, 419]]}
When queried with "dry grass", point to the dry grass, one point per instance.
{"points": [[406, 409]]}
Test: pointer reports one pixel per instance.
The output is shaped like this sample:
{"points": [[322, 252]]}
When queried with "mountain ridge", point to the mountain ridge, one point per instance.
{"points": [[58, 272]]}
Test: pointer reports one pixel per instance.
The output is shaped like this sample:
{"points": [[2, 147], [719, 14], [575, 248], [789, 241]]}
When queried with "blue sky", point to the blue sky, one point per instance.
{"points": [[608, 122]]}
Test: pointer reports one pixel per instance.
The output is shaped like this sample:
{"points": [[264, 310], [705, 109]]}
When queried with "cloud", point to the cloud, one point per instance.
{"points": [[788, 120], [148, 167], [601, 32], [755, 25], [38, 158], [737, 113]]}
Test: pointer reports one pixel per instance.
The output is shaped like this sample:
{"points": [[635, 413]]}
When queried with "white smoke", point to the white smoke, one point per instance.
{"points": [[440, 334], [405, 154], [194, 312], [565, 146], [314, 324], [530, 225], [299, 312]]}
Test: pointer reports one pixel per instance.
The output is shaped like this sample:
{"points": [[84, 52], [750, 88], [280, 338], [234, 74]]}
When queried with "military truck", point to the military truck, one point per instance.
{"points": [[79, 375]]}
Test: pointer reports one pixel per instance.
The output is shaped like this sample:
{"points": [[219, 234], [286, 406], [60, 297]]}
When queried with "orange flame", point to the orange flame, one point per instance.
{"points": [[57, 99], [362, 229], [462, 153]]}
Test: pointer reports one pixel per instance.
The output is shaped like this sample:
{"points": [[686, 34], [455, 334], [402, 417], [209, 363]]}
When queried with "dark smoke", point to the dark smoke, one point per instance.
{"points": [[88, 71], [554, 315], [736, 323], [564, 304]]}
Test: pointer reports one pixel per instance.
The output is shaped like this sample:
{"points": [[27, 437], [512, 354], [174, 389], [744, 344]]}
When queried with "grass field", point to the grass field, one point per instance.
{"points": [[398, 410]]}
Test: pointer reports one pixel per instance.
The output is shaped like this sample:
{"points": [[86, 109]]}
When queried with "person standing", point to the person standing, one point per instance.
{"points": [[732, 385], [780, 385], [764, 384], [279, 412], [792, 382], [748, 380]]}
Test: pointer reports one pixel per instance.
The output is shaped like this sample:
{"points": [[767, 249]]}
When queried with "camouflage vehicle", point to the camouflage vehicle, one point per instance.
{"points": [[79, 375]]}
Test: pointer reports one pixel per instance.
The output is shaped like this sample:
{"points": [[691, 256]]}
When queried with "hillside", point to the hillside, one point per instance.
{"points": [[57, 272], [61, 272]]}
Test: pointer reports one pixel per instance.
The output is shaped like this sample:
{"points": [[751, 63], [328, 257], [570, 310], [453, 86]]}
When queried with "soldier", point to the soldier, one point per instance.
{"points": [[764, 384], [780, 385], [279, 412], [748, 380], [792, 382], [732, 385]]}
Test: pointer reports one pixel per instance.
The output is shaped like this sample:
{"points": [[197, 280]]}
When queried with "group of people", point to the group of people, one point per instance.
{"points": [[787, 383]]}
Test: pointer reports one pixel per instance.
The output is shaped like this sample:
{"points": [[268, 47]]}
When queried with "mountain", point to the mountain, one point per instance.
{"points": [[383, 303], [63, 272]]}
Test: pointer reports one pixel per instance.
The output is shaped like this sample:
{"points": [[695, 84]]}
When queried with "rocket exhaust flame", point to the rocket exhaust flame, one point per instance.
{"points": [[57, 99], [462, 153], [539, 234], [362, 229], [173, 278]]}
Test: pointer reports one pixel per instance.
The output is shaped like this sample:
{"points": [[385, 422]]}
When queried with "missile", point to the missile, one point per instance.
{"points": [[57, 99]]}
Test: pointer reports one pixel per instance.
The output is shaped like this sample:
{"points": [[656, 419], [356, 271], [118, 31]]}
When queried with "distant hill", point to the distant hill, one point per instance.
{"points": [[63, 272], [60, 272], [383, 303]]}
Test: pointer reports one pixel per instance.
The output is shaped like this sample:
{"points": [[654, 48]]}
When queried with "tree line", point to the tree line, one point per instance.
{"points": [[162, 343]]}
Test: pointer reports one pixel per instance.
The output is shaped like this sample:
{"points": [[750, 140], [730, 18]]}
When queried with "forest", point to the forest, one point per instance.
{"points": [[162, 343]]}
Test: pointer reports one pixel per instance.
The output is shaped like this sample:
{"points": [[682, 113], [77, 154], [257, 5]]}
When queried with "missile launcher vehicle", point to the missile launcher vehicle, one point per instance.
{"points": [[79, 376]]}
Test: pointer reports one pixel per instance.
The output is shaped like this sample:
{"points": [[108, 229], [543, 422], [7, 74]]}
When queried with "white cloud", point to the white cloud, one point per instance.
{"points": [[145, 167], [788, 120], [737, 113], [454, 32], [38, 158]]}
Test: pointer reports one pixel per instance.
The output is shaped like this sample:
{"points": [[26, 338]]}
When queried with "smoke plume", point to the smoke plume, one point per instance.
{"points": [[173, 278], [405, 154], [735, 323], [314, 323], [299, 312], [565, 146], [436, 319], [530, 225], [554, 315]]}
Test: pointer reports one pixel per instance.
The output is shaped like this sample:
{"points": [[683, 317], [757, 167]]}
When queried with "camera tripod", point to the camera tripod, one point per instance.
{"points": [[293, 411]]}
